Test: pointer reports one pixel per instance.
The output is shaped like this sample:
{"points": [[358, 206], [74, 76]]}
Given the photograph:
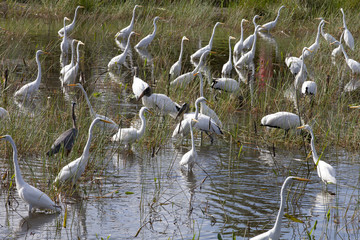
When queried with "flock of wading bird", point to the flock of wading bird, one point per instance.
{"points": [[204, 118]]}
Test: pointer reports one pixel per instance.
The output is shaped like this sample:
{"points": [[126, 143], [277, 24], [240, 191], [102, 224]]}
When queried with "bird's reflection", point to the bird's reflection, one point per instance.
{"points": [[27, 105], [36, 222], [271, 40]]}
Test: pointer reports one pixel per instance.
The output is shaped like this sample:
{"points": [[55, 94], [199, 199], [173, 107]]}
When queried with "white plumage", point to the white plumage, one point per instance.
{"points": [[309, 88], [66, 68], [225, 84], [270, 25], [248, 42], [348, 38], [248, 57], [144, 43], [117, 61], [283, 120], [71, 74], [29, 194], [240, 44], [175, 69], [4, 114], [125, 32], [324, 170], [71, 26], [64, 45], [315, 46], [301, 75], [189, 159], [163, 104], [227, 67]]}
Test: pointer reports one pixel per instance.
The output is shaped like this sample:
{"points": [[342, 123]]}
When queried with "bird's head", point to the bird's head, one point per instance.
{"points": [[5, 137], [305, 127], [184, 38], [66, 19], [244, 20], [231, 38], [75, 85], [355, 106]]}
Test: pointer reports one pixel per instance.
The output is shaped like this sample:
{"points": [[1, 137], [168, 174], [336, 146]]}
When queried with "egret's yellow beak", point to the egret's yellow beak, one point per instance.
{"points": [[354, 106], [302, 179], [185, 38], [72, 85], [106, 121], [301, 127]]}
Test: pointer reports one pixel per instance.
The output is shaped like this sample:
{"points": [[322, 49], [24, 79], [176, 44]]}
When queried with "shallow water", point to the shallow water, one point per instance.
{"points": [[228, 192]]}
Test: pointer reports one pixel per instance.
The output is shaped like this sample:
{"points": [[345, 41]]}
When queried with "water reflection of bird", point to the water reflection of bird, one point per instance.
{"points": [[73, 170], [275, 232], [227, 67], [130, 135], [66, 139], [208, 47], [325, 171], [29, 194], [30, 89], [348, 38], [144, 43], [119, 60], [110, 124], [71, 26], [125, 32], [36, 222], [175, 69], [189, 159], [270, 25], [71, 74], [240, 44]]}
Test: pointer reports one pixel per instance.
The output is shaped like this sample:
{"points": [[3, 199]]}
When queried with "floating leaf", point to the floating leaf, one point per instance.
{"points": [[292, 218], [96, 94], [129, 193]]}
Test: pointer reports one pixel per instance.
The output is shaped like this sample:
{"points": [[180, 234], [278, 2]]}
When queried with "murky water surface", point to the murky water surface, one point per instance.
{"points": [[150, 197]]}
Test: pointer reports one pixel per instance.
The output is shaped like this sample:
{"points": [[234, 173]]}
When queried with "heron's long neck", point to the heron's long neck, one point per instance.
{"points": [[38, 78], [141, 131], [254, 43], [344, 19], [201, 87], [192, 137], [73, 22], [280, 214], [201, 63], [345, 55], [181, 50], [78, 54], [212, 36], [127, 45], [242, 32], [229, 50], [132, 19], [318, 33], [278, 15], [322, 30], [196, 110], [314, 153], [18, 177], [65, 30], [92, 112], [155, 27], [72, 54], [254, 22], [86, 151]]}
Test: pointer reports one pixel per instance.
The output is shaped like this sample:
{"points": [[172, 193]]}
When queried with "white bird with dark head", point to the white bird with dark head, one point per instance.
{"points": [[324, 170], [71, 26], [29, 194], [144, 43], [309, 88], [125, 32], [270, 25], [275, 232], [130, 135], [208, 47], [348, 37], [227, 67], [283, 120], [30, 89], [175, 69]]}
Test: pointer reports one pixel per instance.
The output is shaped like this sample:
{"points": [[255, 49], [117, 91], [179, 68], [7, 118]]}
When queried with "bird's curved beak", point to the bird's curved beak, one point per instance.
{"points": [[302, 179], [318, 18], [105, 121], [301, 127]]}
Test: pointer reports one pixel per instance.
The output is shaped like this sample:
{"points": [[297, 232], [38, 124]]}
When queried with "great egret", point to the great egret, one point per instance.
{"points": [[348, 38], [125, 32], [324, 170], [144, 43], [28, 90], [248, 57], [29, 194], [4, 114], [301, 75], [71, 64], [227, 67], [353, 65], [119, 60], [64, 46], [283, 120], [270, 25], [66, 139], [208, 47], [328, 37], [240, 44], [248, 42], [71, 74], [189, 159], [205, 123], [175, 69], [184, 79], [315, 46], [204, 108], [309, 88], [294, 64], [111, 125], [225, 84], [275, 232], [71, 26], [130, 135], [73, 170], [337, 50]]}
